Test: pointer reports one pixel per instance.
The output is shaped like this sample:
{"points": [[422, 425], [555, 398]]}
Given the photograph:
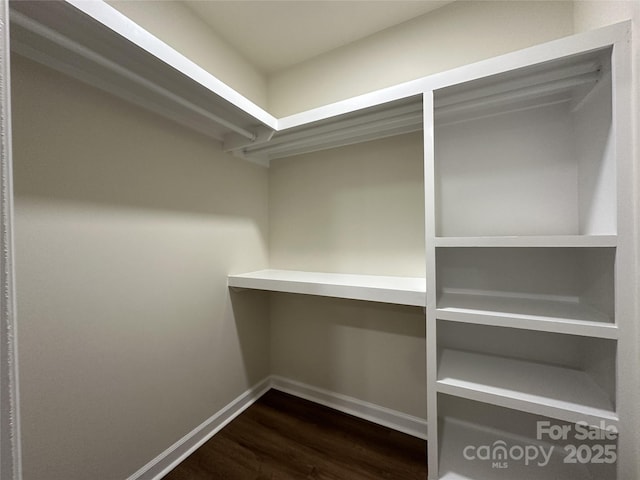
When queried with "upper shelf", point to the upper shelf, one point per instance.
{"points": [[96, 44], [93, 42], [373, 288], [403, 115]]}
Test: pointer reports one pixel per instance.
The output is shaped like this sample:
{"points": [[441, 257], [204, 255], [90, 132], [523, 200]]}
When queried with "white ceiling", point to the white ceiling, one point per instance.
{"points": [[275, 34]]}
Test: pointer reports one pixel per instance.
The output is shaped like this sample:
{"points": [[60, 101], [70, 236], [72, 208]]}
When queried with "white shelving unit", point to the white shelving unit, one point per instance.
{"points": [[526, 221], [529, 226], [373, 288]]}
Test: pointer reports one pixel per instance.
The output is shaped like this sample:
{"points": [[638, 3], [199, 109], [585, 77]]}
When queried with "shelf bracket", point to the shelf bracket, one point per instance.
{"points": [[236, 143]]}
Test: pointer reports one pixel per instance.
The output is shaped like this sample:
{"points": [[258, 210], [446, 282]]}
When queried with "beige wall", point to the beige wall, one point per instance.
{"points": [[177, 25], [591, 14], [374, 352], [356, 209], [126, 229], [457, 34]]}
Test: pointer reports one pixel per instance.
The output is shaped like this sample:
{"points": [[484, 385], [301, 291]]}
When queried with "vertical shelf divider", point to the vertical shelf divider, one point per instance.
{"points": [[430, 272], [627, 263]]}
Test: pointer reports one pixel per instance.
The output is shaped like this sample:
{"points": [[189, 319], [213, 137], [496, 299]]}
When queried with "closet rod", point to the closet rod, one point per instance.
{"points": [[329, 139], [520, 82], [376, 122], [408, 118], [519, 94], [68, 44]]}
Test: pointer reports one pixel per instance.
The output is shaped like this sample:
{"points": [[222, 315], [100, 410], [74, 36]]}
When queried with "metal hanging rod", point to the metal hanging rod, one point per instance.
{"points": [[519, 93], [403, 124], [407, 115], [408, 118], [517, 83]]}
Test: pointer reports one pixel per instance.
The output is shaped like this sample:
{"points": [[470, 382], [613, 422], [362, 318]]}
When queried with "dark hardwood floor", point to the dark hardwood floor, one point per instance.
{"points": [[282, 437]]}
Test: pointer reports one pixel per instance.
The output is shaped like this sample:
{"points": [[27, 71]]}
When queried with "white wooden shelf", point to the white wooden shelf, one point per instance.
{"points": [[457, 435], [545, 315], [373, 288], [556, 392], [529, 241], [98, 45], [527, 276], [95, 43]]}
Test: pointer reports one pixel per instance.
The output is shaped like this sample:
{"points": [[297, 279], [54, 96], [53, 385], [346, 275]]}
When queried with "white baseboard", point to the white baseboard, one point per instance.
{"points": [[393, 419], [176, 453]]}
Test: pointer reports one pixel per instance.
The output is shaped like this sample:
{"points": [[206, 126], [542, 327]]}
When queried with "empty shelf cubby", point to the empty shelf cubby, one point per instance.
{"points": [[528, 152], [568, 290], [486, 442], [569, 377]]}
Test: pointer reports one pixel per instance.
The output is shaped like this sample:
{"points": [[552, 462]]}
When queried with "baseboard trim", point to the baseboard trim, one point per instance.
{"points": [[176, 453], [387, 417]]}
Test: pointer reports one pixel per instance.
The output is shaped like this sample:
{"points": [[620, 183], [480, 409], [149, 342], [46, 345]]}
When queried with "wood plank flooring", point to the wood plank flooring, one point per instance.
{"points": [[282, 437]]}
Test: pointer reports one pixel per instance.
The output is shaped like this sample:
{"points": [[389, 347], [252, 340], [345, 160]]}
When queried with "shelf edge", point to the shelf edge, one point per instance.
{"points": [[530, 241], [565, 411], [363, 292], [531, 322]]}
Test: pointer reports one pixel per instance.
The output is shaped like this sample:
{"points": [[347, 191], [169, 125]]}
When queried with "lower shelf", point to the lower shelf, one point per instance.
{"points": [[557, 392], [484, 442], [373, 288], [454, 465]]}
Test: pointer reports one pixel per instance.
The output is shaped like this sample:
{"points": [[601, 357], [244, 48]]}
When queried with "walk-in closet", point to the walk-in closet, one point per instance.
{"points": [[447, 252]]}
